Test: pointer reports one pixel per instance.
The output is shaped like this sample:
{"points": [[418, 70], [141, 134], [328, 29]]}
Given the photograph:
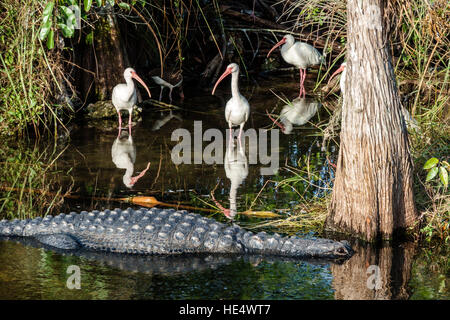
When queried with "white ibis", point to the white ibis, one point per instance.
{"points": [[237, 108], [123, 154], [342, 69], [298, 112], [166, 82], [236, 169], [299, 54], [124, 95], [411, 123]]}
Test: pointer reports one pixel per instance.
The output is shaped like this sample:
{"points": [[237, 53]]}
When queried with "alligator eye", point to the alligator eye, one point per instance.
{"points": [[341, 251]]}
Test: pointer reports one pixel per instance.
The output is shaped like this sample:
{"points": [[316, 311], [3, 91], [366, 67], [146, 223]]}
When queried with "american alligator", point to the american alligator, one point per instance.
{"points": [[158, 231]]}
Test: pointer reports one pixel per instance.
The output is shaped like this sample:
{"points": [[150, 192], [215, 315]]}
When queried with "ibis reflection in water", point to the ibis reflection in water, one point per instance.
{"points": [[123, 152], [236, 169], [159, 123], [298, 112]]}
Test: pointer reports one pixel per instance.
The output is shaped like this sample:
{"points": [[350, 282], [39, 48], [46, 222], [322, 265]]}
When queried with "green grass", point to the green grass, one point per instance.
{"points": [[28, 72]]}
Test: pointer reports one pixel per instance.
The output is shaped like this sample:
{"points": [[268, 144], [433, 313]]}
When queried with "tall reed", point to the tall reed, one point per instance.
{"points": [[28, 76]]}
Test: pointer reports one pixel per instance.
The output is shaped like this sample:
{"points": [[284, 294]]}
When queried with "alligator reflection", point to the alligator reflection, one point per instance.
{"points": [[123, 152], [298, 112], [168, 265]]}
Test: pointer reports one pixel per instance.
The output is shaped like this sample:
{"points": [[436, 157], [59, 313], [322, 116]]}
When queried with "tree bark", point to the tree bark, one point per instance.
{"points": [[111, 59], [372, 195]]}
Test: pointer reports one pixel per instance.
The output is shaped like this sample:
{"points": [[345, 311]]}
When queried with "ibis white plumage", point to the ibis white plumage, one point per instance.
{"points": [[124, 95], [299, 54], [123, 152], [237, 108], [170, 80], [409, 120], [342, 69]]}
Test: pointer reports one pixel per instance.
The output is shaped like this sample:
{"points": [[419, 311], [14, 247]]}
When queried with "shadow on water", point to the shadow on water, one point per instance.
{"points": [[96, 162]]}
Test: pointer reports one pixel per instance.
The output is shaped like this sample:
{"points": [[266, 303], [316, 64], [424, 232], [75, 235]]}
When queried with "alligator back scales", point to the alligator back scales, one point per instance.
{"points": [[158, 231]]}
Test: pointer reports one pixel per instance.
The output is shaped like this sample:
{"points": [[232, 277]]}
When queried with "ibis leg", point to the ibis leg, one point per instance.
{"points": [[160, 94], [240, 134], [129, 121], [120, 121], [170, 96], [231, 135], [302, 81]]}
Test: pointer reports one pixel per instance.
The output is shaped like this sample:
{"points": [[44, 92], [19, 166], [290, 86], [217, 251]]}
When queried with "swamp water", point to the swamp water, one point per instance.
{"points": [[88, 164]]}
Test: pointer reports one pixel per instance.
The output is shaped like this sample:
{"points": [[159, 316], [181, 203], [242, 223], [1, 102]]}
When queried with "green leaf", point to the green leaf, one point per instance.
{"points": [[445, 163], [432, 173], [90, 37], [99, 3], [50, 41], [46, 20], [48, 9], [67, 11], [431, 163], [111, 2], [45, 29], [87, 5], [443, 175], [71, 20], [124, 5], [66, 31]]}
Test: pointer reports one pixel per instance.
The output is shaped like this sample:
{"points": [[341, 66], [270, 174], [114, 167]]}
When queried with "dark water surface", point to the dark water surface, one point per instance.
{"points": [[90, 167]]}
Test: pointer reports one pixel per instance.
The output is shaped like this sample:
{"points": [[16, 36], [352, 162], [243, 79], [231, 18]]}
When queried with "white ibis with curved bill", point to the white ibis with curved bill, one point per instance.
{"points": [[167, 80], [411, 123], [124, 95], [237, 108], [299, 54], [342, 80]]}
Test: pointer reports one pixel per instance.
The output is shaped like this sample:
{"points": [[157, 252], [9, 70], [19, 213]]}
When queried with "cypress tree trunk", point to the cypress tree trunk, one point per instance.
{"points": [[111, 59], [372, 194]]}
